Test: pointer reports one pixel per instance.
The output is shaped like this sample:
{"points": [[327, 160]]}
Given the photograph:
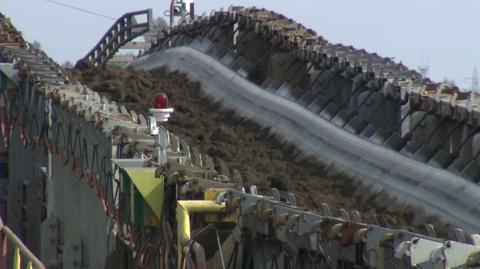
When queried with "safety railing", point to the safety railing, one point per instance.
{"points": [[20, 250], [124, 30]]}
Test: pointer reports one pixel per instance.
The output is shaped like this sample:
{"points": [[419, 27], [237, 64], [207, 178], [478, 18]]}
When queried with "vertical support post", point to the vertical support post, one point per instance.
{"points": [[192, 11], [235, 37], [162, 146], [150, 19], [17, 260], [184, 11], [50, 185]]}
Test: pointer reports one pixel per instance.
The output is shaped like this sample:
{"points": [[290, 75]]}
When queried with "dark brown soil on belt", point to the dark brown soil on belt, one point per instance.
{"points": [[245, 146]]}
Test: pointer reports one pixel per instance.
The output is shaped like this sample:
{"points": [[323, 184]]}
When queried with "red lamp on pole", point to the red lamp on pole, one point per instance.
{"points": [[161, 101], [160, 113]]}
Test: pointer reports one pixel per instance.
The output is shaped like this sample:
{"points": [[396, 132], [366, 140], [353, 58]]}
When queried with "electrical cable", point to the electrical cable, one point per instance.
{"points": [[233, 256], [274, 262], [145, 253], [220, 248], [12, 120], [80, 9], [3, 115], [109, 231]]}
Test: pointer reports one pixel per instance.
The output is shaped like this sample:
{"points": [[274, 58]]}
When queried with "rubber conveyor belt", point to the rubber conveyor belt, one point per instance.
{"points": [[441, 193]]}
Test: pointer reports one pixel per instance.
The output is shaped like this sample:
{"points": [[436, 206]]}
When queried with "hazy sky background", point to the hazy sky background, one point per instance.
{"points": [[443, 34]]}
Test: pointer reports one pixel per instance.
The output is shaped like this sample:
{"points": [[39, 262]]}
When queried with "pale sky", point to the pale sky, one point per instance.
{"points": [[443, 34]]}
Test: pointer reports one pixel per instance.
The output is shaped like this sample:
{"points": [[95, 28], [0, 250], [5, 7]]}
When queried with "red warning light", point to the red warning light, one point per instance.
{"points": [[161, 101]]}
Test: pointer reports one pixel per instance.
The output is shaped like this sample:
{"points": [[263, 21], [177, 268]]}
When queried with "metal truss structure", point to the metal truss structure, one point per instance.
{"points": [[90, 187]]}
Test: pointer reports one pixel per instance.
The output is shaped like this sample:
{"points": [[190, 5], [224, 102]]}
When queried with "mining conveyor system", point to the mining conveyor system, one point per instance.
{"points": [[94, 185]]}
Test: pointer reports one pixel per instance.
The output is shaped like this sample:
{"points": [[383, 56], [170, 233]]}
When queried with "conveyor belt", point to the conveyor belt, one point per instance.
{"points": [[439, 191]]}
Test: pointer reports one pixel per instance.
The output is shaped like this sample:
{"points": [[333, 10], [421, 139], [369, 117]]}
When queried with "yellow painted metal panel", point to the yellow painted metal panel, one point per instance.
{"points": [[150, 187], [211, 194]]}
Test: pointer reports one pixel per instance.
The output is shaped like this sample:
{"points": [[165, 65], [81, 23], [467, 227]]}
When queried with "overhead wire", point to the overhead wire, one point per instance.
{"points": [[81, 9]]}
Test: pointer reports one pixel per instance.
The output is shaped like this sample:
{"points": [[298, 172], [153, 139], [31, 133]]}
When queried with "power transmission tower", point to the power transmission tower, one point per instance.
{"points": [[423, 69], [424, 66], [475, 81], [475, 86]]}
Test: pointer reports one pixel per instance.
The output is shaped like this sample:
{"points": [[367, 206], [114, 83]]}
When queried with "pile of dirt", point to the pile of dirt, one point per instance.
{"points": [[244, 145]]}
